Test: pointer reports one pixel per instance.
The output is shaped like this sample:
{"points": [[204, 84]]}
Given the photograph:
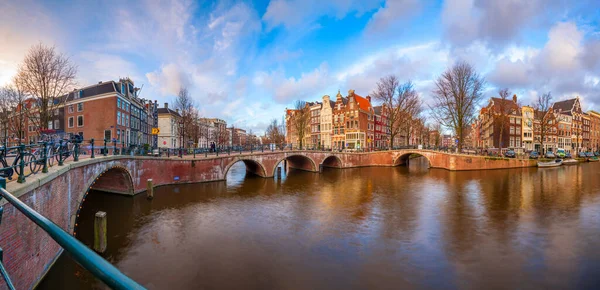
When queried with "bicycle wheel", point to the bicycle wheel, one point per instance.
{"points": [[34, 164], [50, 158], [27, 158]]}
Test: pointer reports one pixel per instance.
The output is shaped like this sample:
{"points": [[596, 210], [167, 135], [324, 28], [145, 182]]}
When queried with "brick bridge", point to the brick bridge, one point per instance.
{"points": [[59, 195]]}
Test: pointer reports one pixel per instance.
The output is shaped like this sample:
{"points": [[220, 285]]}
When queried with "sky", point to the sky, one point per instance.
{"points": [[246, 61]]}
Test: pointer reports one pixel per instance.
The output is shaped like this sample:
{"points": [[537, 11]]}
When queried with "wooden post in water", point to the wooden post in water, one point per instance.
{"points": [[150, 189], [100, 232], [278, 171]]}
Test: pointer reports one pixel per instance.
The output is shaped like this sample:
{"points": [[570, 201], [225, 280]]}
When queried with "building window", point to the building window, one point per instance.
{"points": [[107, 134], [50, 124], [79, 107], [56, 124], [55, 112], [118, 135], [118, 103], [118, 118], [80, 121], [71, 122], [70, 108]]}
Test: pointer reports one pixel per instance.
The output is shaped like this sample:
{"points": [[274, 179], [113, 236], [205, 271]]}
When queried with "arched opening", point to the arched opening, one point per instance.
{"points": [[332, 162], [251, 166], [294, 162], [412, 159], [112, 180]]}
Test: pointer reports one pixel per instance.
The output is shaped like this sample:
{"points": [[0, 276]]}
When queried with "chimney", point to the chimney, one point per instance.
{"points": [[515, 98], [166, 105], [369, 99]]}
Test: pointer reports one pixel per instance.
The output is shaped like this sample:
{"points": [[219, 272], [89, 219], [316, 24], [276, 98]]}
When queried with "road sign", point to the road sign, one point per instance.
{"points": [[155, 131]]}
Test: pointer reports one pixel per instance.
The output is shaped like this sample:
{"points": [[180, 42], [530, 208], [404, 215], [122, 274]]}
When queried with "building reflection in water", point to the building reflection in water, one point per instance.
{"points": [[401, 227]]}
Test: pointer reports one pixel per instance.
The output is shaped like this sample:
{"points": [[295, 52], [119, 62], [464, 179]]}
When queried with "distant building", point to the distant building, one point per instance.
{"points": [[168, 124]]}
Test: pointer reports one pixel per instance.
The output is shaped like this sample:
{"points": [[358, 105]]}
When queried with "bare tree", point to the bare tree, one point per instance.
{"points": [[300, 120], [45, 75], [503, 110], [189, 116], [437, 129], [544, 118], [274, 133], [457, 93], [402, 103], [13, 112]]}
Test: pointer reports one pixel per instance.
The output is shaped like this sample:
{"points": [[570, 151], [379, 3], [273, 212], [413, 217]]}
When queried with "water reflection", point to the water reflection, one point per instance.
{"points": [[356, 228]]}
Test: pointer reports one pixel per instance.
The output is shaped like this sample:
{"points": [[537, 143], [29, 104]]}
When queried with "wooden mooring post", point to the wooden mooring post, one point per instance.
{"points": [[100, 232], [149, 189]]}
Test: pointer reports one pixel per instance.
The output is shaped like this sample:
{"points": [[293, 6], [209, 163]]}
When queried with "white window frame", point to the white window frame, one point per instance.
{"points": [[71, 122], [78, 104], [82, 121]]}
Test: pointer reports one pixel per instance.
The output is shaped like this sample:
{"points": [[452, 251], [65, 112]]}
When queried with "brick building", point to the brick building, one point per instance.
{"points": [[326, 117], [594, 131], [315, 125], [572, 107], [353, 120], [381, 130], [491, 122], [109, 110]]}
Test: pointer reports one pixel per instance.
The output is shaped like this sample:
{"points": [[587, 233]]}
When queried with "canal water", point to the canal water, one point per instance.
{"points": [[364, 228]]}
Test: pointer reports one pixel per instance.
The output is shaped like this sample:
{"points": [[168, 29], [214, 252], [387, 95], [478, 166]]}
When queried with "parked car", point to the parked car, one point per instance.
{"points": [[534, 155], [549, 154], [597, 153], [510, 154], [560, 153], [568, 155], [582, 155], [589, 154]]}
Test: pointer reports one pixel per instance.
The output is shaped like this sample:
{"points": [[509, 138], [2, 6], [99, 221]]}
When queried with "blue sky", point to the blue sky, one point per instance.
{"points": [[245, 61]]}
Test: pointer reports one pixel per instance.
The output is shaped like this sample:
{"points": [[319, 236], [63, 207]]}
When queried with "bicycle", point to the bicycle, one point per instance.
{"points": [[8, 171], [49, 154]]}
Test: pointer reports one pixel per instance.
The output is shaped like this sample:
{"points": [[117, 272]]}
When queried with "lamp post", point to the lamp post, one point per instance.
{"points": [[181, 137]]}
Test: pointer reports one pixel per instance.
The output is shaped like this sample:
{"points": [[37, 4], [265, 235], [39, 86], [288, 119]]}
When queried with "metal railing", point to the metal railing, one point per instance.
{"points": [[83, 255]]}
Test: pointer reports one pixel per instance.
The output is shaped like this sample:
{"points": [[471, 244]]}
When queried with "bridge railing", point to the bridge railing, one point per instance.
{"points": [[83, 255]]}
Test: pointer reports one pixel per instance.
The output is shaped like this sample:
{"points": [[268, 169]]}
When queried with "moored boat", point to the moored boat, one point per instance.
{"points": [[593, 159], [570, 162], [555, 163]]}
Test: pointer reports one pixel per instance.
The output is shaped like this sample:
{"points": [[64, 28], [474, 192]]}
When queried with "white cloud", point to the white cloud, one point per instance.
{"points": [[169, 79], [392, 12], [560, 66], [495, 22], [417, 63], [286, 89]]}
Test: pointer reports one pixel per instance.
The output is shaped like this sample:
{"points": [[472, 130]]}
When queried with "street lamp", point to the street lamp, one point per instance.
{"points": [[181, 137]]}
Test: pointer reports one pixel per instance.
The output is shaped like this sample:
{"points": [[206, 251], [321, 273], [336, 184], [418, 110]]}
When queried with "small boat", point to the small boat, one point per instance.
{"points": [[593, 159], [570, 162], [555, 163]]}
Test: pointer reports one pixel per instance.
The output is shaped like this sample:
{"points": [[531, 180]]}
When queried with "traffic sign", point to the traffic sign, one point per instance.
{"points": [[155, 131]]}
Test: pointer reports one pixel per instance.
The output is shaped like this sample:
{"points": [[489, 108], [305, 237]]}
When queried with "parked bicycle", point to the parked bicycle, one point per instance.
{"points": [[28, 158]]}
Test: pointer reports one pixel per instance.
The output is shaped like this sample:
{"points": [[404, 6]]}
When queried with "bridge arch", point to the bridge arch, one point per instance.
{"points": [[252, 166], [298, 161], [112, 179], [403, 159], [332, 161]]}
